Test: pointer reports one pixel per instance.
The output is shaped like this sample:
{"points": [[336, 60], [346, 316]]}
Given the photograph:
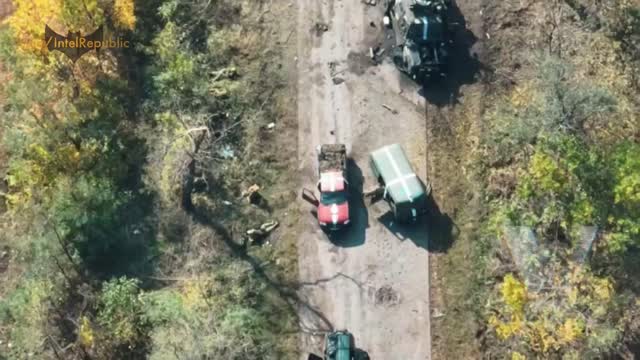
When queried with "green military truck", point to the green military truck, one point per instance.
{"points": [[340, 345], [402, 189]]}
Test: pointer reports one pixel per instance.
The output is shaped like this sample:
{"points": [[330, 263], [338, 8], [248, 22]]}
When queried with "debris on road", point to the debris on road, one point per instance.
{"points": [[376, 54], [392, 110], [333, 69], [321, 28], [437, 315], [374, 194]]}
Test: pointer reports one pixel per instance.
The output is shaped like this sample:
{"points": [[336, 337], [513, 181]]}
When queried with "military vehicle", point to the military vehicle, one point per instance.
{"points": [[333, 206], [340, 345], [401, 187], [422, 40]]}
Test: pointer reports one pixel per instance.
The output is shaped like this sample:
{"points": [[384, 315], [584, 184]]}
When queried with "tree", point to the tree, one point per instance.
{"points": [[574, 314], [120, 311], [551, 107]]}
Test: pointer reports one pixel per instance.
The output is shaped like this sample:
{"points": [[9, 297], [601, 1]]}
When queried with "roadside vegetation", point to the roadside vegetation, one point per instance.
{"points": [[551, 162], [122, 231], [559, 153]]}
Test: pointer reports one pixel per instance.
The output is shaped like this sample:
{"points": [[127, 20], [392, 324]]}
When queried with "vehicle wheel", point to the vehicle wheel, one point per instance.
{"points": [[388, 6], [398, 60]]}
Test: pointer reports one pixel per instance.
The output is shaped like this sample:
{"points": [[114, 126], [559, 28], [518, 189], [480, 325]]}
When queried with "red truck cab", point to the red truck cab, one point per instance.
{"points": [[333, 208]]}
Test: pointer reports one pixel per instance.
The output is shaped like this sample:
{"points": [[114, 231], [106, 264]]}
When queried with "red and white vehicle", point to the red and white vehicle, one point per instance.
{"points": [[333, 206]]}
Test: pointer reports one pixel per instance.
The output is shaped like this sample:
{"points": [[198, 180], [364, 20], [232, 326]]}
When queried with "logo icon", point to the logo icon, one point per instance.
{"points": [[74, 45]]}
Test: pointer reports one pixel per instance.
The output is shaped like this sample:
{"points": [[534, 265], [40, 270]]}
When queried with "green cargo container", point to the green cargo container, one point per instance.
{"points": [[403, 190]]}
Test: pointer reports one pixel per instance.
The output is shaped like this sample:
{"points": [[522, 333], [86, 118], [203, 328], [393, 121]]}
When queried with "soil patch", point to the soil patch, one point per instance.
{"points": [[387, 296]]}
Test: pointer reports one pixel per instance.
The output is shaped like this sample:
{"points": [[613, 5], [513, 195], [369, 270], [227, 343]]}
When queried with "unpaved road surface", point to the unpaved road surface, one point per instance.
{"points": [[374, 279]]}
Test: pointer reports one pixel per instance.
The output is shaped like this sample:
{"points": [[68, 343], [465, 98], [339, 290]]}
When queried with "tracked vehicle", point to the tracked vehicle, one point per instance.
{"points": [[422, 38]]}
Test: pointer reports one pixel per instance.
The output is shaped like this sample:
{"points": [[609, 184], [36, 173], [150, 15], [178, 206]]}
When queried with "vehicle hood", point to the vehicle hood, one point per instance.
{"points": [[334, 213], [331, 181]]}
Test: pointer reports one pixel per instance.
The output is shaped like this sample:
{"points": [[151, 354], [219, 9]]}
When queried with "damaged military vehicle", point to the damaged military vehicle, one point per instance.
{"points": [[422, 38]]}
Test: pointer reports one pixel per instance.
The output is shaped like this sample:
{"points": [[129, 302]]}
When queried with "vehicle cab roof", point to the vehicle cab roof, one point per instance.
{"points": [[339, 346], [332, 181]]}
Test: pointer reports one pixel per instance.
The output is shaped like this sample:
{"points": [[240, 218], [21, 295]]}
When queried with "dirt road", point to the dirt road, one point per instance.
{"points": [[374, 279]]}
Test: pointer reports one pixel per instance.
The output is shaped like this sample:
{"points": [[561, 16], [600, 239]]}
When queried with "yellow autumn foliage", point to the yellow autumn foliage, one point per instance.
{"points": [[193, 293], [602, 289], [28, 22], [571, 330], [124, 15], [86, 335], [523, 96], [547, 173], [541, 339], [559, 317], [509, 328], [514, 293]]}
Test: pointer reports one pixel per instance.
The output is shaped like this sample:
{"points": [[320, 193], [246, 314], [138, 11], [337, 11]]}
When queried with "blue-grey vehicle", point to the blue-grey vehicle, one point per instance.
{"points": [[422, 37]]}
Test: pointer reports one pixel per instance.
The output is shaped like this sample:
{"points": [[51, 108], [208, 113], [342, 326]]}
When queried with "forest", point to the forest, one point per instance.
{"points": [[122, 221]]}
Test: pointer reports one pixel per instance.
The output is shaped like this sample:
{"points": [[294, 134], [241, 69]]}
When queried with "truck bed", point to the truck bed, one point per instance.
{"points": [[332, 157]]}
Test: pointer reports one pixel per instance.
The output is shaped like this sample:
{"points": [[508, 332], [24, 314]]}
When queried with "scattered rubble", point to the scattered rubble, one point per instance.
{"points": [[252, 194], [321, 28], [374, 194], [226, 73], [257, 234], [392, 110], [333, 69], [376, 54]]}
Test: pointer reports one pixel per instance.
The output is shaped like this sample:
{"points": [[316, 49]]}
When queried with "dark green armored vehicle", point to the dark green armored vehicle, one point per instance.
{"points": [[422, 37], [340, 345], [402, 188]]}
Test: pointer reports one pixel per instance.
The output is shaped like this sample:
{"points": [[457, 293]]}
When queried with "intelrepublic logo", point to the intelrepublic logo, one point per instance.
{"points": [[75, 45]]}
